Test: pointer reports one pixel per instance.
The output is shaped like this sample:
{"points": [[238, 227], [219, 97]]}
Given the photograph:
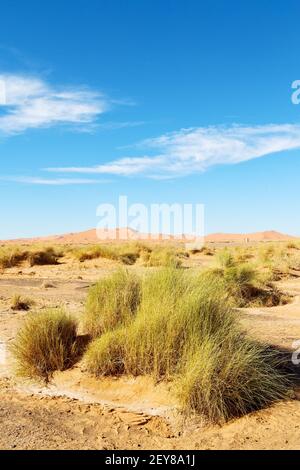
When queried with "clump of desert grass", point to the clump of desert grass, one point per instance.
{"points": [[274, 261], [20, 303], [184, 330], [164, 256], [205, 250], [151, 255], [229, 377], [112, 301], [126, 253], [279, 260], [246, 283], [45, 343], [43, 256], [13, 255]]}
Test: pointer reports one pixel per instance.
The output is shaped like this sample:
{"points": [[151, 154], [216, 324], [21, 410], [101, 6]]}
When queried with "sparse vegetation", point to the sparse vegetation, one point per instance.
{"points": [[225, 259], [125, 253], [279, 260], [163, 256], [246, 282], [12, 256], [45, 343], [128, 253], [177, 325], [205, 250]]}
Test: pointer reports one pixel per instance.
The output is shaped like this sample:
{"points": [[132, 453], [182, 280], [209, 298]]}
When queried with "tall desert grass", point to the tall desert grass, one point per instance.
{"points": [[245, 279], [45, 343], [185, 330], [111, 302]]}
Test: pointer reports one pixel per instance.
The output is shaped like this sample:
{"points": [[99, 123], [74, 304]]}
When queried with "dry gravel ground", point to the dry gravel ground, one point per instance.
{"points": [[77, 412]]}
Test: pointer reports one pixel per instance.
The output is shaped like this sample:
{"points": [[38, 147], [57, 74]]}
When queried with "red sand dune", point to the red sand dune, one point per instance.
{"points": [[270, 235], [90, 236]]}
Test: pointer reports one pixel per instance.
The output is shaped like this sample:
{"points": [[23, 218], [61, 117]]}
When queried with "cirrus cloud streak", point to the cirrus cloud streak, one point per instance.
{"points": [[29, 103], [195, 150]]}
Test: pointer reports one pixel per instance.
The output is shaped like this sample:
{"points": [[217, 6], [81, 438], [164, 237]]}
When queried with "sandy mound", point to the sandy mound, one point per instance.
{"points": [[270, 235]]}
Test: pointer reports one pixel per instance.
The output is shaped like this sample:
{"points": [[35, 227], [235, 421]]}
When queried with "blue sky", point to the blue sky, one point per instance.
{"points": [[163, 101]]}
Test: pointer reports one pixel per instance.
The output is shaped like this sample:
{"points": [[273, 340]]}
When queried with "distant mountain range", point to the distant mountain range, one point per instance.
{"points": [[91, 236]]}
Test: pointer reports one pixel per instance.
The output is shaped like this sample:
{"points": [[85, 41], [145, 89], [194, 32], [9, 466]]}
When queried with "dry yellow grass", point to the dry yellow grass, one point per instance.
{"points": [[13, 255], [21, 303], [45, 343]]}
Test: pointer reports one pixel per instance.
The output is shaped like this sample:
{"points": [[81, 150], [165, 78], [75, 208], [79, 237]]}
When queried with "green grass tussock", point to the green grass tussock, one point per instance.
{"points": [[225, 259], [111, 302], [185, 330], [230, 377], [45, 343], [104, 355]]}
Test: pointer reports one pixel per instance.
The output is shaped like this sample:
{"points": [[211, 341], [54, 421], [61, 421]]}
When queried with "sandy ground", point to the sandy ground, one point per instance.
{"points": [[78, 412]]}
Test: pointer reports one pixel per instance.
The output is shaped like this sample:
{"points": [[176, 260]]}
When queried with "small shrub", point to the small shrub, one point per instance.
{"points": [[292, 246], [205, 250], [20, 303], [128, 258], [43, 256], [45, 343]]}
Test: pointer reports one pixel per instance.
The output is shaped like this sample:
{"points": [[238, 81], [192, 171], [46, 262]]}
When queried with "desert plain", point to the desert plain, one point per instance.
{"points": [[76, 410]]}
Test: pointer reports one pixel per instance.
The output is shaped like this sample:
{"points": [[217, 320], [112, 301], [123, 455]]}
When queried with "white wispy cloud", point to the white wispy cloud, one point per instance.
{"points": [[31, 102], [111, 125], [196, 149], [50, 181], [123, 167]]}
